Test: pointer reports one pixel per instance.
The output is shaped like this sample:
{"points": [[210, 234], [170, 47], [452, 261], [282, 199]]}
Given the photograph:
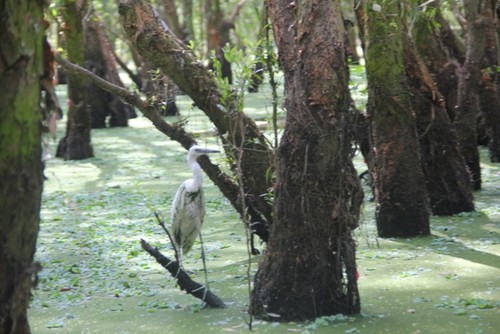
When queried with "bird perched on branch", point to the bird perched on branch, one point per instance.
{"points": [[188, 208]]}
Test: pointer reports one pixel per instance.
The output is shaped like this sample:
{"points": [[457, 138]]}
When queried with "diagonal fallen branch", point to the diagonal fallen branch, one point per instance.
{"points": [[183, 280]]}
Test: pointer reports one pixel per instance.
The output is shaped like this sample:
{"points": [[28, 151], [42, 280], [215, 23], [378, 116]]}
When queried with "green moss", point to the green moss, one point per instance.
{"points": [[385, 46], [19, 80]]}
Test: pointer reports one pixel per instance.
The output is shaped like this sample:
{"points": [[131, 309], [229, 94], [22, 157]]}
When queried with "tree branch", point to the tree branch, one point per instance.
{"points": [[182, 278], [236, 12]]}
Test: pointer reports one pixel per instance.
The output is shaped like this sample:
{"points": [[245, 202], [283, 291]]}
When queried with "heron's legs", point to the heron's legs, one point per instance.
{"points": [[180, 265], [204, 264]]}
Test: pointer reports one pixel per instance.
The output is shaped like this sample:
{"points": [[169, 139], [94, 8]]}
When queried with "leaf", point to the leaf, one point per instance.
{"points": [[460, 311], [56, 323]]}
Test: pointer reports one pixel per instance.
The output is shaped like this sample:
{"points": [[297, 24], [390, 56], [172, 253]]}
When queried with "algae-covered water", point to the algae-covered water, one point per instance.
{"points": [[97, 279]]}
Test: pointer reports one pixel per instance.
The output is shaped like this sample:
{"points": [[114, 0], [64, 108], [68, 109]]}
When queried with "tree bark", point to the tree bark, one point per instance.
{"points": [[309, 269], [468, 90], [257, 77], [182, 279], [76, 144], [187, 15], [490, 81], [158, 87], [173, 19], [400, 192], [218, 28], [21, 54], [447, 178], [442, 58], [105, 108]]}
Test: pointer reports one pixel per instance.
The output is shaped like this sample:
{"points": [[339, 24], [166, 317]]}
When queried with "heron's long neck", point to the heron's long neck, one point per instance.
{"points": [[197, 175]]}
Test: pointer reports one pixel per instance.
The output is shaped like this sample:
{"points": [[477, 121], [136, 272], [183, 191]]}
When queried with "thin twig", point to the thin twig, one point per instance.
{"points": [[246, 223], [272, 81], [162, 224]]}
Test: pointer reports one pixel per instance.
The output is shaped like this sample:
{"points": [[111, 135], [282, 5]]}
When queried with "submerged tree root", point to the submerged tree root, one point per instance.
{"points": [[183, 280]]}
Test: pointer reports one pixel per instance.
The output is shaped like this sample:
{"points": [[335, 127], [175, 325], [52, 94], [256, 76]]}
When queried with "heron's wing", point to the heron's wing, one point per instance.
{"points": [[188, 210]]}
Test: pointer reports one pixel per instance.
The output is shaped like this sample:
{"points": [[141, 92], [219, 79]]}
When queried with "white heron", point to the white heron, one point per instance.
{"points": [[188, 207]]}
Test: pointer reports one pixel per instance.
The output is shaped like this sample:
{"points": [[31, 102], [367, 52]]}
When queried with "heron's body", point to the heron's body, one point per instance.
{"points": [[188, 208]]}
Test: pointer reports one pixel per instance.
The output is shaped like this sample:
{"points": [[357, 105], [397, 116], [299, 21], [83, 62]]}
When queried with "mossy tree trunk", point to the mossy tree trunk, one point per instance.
{"points": [[446, 175], [400, 192], [309, 269], [76, 144], [22, 28]]}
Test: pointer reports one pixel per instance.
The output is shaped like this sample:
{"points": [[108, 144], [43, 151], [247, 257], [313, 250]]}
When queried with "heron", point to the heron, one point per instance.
{"points": [[188, 208]]}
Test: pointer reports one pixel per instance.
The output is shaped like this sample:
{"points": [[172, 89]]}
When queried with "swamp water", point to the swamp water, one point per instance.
{"points": [[97, 279]]}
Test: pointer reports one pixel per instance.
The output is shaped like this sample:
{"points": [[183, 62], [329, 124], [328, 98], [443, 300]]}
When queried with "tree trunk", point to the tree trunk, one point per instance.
{"points": [[447, 178], [99, 59], [468, 104], [187, 22], [352, 33], [218, 30], [168, 88], [400, 192], [172, 19], [490, 81], [76, 143], [21, 49], [214, 28], [309, 269], [442, 58], [257, 77]]}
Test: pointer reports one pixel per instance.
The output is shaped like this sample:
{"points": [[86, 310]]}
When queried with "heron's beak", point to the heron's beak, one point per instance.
{"points": [[206, 151]]}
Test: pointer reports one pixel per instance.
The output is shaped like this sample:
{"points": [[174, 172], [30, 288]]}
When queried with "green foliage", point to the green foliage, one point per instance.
{"points": [[464, 306], [326, 321], [357, 84], [478, 303], [242, 66], [53, 9]]}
